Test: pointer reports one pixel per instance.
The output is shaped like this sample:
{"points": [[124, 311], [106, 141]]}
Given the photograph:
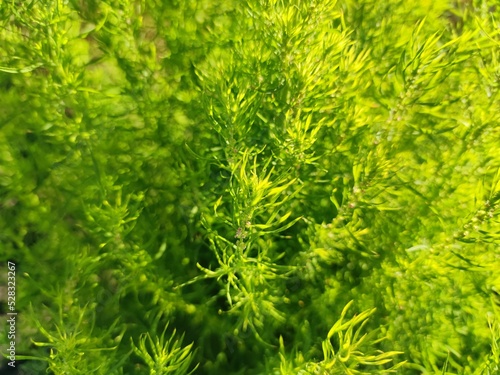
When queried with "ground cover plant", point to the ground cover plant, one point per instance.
{"points": [[251, 187]]}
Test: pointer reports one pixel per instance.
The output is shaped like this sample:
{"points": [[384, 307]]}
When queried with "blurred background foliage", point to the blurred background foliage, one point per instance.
{"points": [[264, 182]]}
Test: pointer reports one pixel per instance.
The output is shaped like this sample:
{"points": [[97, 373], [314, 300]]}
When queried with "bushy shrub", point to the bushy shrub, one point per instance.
{"points": [[252, 187]]}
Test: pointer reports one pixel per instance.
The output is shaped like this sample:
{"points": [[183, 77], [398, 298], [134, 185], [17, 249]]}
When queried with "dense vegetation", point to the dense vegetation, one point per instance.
{"points": [[252, 187]]}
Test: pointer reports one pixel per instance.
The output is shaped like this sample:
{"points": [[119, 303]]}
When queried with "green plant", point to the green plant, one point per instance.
{"points": [[247, 174], [349, 356], [164, 357]]}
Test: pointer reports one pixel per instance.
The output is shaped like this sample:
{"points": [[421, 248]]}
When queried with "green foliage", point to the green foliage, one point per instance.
{"points": [[348, 356], [166, 358], [255, 175]]}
